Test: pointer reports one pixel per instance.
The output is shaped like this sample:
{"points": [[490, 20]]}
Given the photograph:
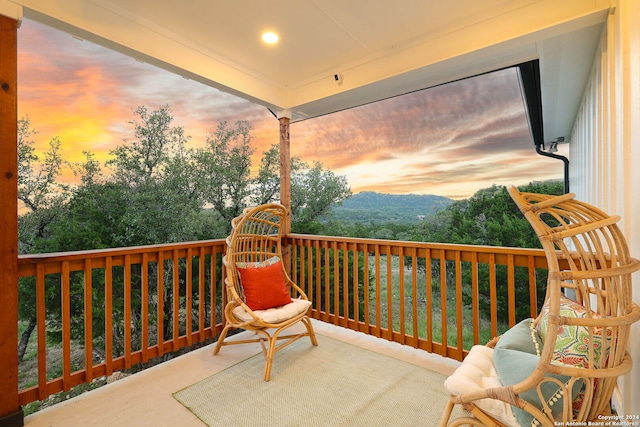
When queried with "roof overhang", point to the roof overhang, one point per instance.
{"points": [[375, 50]]}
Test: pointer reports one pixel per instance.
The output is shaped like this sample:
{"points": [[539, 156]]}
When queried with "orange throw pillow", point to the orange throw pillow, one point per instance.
{"points": [[264, 287]]}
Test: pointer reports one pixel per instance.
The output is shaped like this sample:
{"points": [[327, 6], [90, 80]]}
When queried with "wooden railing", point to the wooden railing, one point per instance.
{"points": [[444, 297], [122, 307], [166, 294]]}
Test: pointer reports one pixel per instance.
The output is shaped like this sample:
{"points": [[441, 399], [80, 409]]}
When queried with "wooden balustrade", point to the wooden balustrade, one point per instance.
{"points": [[123, 306], [127, 306], [441, 298]]}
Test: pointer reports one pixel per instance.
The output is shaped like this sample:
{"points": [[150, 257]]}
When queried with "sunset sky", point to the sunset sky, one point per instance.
{"points": [[450, 140]]}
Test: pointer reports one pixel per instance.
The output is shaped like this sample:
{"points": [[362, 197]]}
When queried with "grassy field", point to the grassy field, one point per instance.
{"points": [[28, 370], [424, 322]]}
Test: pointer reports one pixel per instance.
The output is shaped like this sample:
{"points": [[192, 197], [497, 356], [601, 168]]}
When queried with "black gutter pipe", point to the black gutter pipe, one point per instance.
{"points": [[566, 165], [530, 78]]}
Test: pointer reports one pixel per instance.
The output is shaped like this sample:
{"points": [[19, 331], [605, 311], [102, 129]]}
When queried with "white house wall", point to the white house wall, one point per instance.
{"points": [[605, 151]]}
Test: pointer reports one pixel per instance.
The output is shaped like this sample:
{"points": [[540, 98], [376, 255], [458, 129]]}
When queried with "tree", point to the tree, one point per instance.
{"points": [[145, 157], [88, 172], [37, 181], [225, 167], [156, 172], [313, 191], [266, 185], [43, 198]]}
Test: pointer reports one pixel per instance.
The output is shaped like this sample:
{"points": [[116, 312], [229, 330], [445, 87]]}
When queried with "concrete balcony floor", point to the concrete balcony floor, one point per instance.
{"points": [[145, 398]]}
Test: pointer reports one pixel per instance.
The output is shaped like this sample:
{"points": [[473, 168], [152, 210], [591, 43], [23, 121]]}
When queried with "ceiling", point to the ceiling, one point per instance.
{"points": [[336, 54]]}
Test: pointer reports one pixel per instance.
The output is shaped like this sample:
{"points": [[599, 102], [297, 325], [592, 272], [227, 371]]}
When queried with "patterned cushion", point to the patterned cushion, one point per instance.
{"points": [[572, 342], [258, 264]]}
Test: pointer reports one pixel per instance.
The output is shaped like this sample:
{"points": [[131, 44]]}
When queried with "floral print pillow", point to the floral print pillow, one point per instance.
{"points": [[573, 341]]}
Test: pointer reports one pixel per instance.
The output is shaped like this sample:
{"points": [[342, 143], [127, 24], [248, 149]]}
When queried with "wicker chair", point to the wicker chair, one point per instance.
{"points": [[260, 295], [575, 347]]}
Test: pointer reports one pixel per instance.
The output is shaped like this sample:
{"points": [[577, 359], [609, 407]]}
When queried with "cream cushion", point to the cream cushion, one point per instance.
{"points": [[274, 315], [478, 373]]}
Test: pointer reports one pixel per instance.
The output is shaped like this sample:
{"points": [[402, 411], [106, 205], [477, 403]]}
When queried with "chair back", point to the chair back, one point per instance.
{"points": [[589, 261], [255, 237]]}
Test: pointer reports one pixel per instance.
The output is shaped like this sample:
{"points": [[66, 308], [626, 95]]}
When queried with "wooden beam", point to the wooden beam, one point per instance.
{"points": [[285, 171], [10, 411]]}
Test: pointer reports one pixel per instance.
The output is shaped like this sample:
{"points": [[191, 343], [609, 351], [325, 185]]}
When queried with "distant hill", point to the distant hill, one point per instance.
{"points": [[371, 206]]}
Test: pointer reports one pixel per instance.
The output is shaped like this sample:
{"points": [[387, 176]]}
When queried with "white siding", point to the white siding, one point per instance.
{"points": [[605, 150]]}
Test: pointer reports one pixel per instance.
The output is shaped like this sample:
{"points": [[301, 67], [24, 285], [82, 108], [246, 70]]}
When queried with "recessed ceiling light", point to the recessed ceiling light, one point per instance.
{"points": [[270, 37]]}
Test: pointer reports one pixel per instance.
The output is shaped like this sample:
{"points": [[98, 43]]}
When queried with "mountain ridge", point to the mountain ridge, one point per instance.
{"points": [[383, 207]]}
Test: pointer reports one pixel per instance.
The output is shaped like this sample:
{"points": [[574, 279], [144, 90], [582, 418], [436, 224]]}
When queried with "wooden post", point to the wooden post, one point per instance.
{"points": [[285, 168], [284, 118], [10, 410]]}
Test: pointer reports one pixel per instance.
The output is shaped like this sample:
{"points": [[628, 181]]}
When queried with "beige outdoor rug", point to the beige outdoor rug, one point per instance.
{"points": [[334, 384]]}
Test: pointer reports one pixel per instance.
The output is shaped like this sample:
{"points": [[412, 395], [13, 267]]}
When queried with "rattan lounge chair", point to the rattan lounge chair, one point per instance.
{"points": [[260, 295], [562, 366]]}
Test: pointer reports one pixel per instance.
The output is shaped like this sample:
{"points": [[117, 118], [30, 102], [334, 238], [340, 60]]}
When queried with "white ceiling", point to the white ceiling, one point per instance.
{"points": [[379, 48]]}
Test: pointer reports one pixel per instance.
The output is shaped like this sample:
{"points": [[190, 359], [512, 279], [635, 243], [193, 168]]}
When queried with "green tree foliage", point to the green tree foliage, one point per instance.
{"points": [[146, 156], [267, 182], [38, 187], [155, 174], [490, 218], [39, 191]]}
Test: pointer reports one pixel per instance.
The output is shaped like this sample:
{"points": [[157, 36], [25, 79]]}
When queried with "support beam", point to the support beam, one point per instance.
{"points": [[10, 410], [285, 170]]}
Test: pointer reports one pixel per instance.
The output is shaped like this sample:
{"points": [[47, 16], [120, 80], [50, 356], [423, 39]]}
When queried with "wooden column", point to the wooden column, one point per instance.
{"points": [[285, 169], [10, 410]]}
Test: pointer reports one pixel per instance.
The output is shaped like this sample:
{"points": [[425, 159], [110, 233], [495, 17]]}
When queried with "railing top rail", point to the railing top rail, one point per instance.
{"points": [[99, 253], [430, 245]]}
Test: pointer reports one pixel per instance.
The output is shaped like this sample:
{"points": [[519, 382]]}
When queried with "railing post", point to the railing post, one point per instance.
{"points": [[10, 410]]}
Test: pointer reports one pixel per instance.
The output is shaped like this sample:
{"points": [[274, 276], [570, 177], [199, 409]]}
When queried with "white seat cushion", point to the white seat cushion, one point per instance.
{"points": [[477, 373], [275, 315]]}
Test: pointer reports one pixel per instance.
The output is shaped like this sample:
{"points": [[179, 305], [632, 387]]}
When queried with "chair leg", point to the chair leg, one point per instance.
{"points": [[310, 331], [268, 358], [221, 338], [446, 414]]}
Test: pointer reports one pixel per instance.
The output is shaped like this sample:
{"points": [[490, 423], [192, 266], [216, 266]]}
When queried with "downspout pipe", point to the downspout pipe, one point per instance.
{"points": [[532, 97], [559, 157]]}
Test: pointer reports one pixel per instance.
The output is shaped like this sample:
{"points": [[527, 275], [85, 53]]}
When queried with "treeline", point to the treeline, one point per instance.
{"points": [[489, 217], [156, 188], [372, 207]]}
